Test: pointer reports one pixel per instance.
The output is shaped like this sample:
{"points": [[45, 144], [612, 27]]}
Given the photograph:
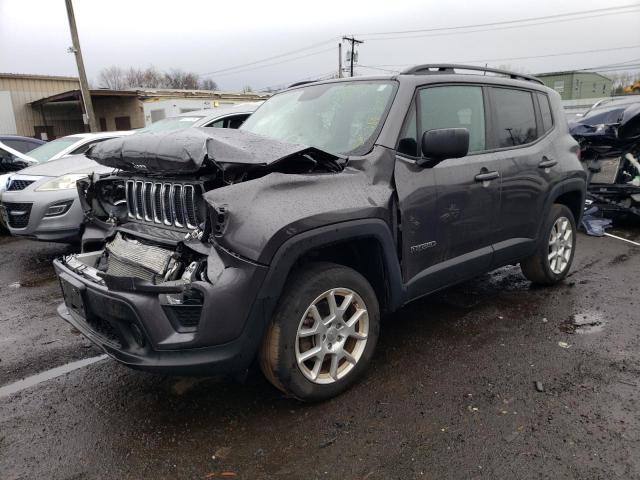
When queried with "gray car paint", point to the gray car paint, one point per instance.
{"points": [[61, 228], [274, 219]]}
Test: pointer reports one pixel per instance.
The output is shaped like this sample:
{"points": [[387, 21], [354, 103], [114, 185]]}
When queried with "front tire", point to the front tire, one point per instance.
{"points": [[323, 333], [554, 254]]}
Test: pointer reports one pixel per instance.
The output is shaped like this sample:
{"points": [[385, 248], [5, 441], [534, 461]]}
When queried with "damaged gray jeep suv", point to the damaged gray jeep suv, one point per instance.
{"points": [[335, 203]]}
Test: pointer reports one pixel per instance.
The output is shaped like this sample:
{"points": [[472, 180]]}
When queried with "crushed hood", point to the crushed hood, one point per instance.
{"points": [[191, 149], [612, 125]]}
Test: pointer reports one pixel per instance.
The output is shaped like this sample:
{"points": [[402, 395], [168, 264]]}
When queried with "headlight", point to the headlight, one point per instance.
{"points": [[4, 183], [65, 182]]}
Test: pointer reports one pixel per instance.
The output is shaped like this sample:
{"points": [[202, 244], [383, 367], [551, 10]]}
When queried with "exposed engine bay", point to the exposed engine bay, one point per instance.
{"points": [[609, 138], [148, 226]]}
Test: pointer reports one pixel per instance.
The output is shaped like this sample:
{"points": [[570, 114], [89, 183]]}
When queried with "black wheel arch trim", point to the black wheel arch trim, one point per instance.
{"points": [[576, 184], [295, 247]]}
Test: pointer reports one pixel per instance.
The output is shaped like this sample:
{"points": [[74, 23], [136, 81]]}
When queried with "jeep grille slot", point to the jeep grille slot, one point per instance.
{"points": [[172, 204]]}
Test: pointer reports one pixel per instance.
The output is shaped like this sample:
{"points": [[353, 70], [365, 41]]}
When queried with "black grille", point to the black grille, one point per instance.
{"points": [[18, 214], [16, 185], [165, 203], [139, 200], [177, 205], [190, 205], [166, 210]]}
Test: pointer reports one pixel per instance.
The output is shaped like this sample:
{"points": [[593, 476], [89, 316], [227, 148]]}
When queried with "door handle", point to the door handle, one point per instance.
{"points": [[487, 176], [547, 162]]}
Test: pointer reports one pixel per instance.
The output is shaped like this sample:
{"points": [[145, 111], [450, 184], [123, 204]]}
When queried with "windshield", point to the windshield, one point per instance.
{"points": [[171, 123], [338, 118], [44, 152]]}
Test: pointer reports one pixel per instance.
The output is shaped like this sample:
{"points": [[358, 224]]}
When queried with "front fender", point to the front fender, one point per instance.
{"points": [[295, 247]]}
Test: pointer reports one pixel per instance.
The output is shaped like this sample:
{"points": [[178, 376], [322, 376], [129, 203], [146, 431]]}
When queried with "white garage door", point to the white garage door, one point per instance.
{"points": [[7, 119]]}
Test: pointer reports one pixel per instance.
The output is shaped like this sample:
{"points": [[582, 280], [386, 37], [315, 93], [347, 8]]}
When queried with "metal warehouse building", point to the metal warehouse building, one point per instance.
{"points": [[50, 107], [17, 116], [578, 85]]}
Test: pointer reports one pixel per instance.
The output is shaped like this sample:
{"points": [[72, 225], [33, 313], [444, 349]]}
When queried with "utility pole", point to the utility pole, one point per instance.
{"points": [[353, 50], [89, 116], [340, 60]]}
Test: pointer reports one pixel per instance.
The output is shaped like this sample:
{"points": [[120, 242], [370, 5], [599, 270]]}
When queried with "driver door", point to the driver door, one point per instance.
{"points": [[449, 211]]}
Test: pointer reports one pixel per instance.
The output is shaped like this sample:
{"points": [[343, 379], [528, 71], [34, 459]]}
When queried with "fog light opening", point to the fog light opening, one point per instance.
{"points": [[58, 209]]}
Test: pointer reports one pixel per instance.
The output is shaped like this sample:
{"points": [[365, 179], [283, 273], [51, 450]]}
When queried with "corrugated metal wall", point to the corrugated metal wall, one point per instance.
{"points": [[24, 90]]}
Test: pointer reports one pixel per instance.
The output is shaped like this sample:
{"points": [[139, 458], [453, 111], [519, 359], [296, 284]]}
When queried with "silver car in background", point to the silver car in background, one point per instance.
{"points": [[41, 202], [231, 116]]}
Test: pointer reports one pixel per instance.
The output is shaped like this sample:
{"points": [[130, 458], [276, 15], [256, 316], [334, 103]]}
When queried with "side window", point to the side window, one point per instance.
{"points": [[454, 107], [515, 121], [545, 111], [19, 145], [408, 142], [237, 121], [86, 146], [229, 122]]}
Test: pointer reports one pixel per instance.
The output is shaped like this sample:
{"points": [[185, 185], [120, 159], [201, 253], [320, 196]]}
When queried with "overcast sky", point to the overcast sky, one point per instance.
{"points": [[208, 36]]}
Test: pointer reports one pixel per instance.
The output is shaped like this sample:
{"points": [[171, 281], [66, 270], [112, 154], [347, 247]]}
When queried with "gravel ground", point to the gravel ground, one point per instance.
{"points": [[451, 393]]}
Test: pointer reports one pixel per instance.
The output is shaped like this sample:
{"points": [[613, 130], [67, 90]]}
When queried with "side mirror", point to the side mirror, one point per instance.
{"points": [[443, 143]]}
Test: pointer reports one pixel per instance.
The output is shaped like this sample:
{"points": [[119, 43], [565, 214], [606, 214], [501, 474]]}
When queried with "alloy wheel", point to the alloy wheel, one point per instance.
{"points": [[560, 245], [332, 335]]}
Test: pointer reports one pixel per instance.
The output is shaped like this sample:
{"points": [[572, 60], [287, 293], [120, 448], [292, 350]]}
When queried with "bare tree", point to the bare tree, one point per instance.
{"points": [[180, 79], [208, 84], [117, 78], [247, 89], [152, 78], [112, 77], [134, 77]]}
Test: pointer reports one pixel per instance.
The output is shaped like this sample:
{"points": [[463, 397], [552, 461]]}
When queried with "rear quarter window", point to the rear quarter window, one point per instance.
{"points": [[514, 121], [545, 112]]}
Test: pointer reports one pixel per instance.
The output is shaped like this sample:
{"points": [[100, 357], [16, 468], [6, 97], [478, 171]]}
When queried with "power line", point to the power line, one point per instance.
{"points": [[503, 27], [515, 23], [306, 55], [286, 54], [320, 76], [379, 67], [505, 22]]}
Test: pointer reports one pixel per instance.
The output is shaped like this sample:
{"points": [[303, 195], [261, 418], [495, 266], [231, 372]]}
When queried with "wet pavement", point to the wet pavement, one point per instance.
{"points": [[490, 379]]}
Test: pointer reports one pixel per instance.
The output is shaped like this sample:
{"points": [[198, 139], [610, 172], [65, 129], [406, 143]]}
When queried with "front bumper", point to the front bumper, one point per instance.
{"points": [[134, 328], [34, 224]]}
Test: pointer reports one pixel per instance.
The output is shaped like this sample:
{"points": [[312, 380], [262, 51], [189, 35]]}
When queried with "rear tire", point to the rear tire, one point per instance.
{"points": [[554, 254], [323, 333]]}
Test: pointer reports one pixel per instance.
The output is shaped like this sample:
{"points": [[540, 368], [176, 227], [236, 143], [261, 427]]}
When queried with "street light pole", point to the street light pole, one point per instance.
{"points": [[82, 76]]}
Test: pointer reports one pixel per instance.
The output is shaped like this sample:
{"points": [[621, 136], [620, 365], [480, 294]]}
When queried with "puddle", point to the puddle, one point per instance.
{"points": [[588, 322], [47, 375]]}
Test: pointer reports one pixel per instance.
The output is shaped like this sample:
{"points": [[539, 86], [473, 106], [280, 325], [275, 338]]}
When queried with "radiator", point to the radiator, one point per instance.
{"points": [[130, 258]]}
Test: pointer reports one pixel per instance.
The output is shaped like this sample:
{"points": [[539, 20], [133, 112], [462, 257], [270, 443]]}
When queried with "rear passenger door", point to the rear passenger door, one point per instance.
{"points": [[449, 211], [521, 136]]}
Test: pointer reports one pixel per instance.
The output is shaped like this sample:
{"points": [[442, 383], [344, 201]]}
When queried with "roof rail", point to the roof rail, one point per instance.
{"points": [[428, 69], [305, 82]]}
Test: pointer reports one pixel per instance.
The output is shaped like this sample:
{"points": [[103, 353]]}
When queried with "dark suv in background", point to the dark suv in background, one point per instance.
{"points": [[335, 203]]}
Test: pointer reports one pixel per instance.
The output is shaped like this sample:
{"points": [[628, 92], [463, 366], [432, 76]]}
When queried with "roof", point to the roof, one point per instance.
{"points": [[20, 137], [29, 76], [247, 107], [438, 77], [74, 95]]}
